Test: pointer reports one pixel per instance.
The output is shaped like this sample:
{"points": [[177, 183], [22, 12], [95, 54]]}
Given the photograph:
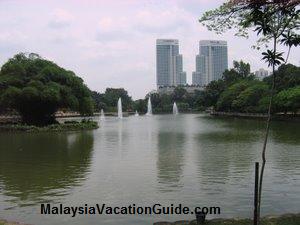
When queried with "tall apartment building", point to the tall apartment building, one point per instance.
{"points": [[169, 69], [261, 73], [211, 62]]}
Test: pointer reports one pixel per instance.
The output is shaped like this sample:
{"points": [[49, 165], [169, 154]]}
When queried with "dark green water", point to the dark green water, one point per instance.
{"points": [[190, 159]]}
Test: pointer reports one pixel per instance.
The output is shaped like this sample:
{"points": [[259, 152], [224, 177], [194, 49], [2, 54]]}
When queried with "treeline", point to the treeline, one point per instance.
{"points": [[36, 88], [161, 103], [238, 91], [109, 99]]}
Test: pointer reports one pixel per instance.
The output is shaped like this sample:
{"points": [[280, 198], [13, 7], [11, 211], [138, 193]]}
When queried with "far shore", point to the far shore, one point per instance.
{"points": [[278, 116], [5, 222], [15, 119]]}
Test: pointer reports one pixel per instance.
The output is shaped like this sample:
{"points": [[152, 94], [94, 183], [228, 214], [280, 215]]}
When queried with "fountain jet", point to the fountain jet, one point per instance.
{"points": [[149, 109], [175, 109], [120, 113], [102, 116], [136, 113]]}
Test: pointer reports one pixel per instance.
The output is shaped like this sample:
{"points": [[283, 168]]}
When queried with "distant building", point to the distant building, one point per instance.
{"points": [[169, 68], [211, 62], [261, 73]]}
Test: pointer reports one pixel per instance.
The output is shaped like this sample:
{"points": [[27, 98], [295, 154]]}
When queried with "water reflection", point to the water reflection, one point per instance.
{"points": [[171, 145], [42, 167], [227, 147], [285, 132], [188, 159], [170, 158]]}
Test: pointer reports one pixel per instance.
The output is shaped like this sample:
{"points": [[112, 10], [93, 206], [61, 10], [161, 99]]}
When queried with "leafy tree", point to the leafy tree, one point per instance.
{"points": [[242, 68], [183, 106], [287, 76], [248, 99], [112, 95], [274, 22], [140, 105], [99, 100], [36, 88], [230, 94], [231, 76], [212, 92], [178, 94], [288, 100]]}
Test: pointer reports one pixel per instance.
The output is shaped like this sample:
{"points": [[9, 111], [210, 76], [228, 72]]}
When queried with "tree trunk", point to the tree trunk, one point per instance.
{"points": [[266, 138]]}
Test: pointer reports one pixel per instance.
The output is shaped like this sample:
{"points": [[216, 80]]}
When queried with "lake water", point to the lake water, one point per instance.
{"points": [[192, 159]]}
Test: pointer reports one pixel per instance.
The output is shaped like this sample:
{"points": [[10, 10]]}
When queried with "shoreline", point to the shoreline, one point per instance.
{"points": [[284, 219], [67, 126], [6, 222], [279, 117]]}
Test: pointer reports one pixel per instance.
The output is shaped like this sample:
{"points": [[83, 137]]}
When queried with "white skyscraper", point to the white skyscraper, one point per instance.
{"points": [[211, 62], [261, 73], [169, 69]]}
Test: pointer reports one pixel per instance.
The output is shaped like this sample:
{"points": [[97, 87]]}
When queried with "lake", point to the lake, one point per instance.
{"points": [[192, 159]]}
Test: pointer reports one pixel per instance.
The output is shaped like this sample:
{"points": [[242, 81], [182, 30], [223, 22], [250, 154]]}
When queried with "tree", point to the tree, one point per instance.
{"points": [[99, 101], [248, 99], [112, 95], [230, 94], [242, 68], [140, 105], [178, 94], [212, 92], [274, 22], [287, 76], [288, 100], [36, 88]]}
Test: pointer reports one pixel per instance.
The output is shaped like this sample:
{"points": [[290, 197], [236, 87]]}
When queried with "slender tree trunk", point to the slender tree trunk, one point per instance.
{"points": [[266, 138], [288, 54]]}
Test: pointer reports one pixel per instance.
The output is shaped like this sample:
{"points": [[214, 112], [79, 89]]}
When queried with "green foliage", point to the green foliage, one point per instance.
{"points": [[242, 68], [288, 100], [36, 88], [179, 94], [108, 101], [229, 95], [238, 93], [140, 105], [212, 92], [248, 99], [67, 126], [287, 76]]}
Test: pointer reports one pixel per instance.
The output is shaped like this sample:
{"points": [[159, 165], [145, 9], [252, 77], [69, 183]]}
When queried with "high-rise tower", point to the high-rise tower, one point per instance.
{"points": [[169, 71], [211, 62]]}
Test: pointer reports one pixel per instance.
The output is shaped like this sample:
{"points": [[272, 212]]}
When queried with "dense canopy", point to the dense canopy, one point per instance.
{"points": [[36, 88]]}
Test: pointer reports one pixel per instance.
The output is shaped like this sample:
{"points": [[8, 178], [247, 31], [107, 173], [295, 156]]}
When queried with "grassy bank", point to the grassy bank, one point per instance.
{"points": [[67, 126], [286, 219]]}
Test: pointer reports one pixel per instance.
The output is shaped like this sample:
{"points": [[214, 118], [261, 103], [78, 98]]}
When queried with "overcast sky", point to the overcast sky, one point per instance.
{"points": [[112, 43]]}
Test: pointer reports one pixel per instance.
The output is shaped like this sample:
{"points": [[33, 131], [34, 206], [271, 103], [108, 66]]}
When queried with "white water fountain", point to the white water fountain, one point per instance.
{"points": [[175, 109], [102, 116], [120, 113], [149, 108], [136, 113]]}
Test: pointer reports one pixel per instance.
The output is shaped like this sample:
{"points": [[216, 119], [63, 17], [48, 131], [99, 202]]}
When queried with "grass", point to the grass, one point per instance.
{"points": [[67, 126]]}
